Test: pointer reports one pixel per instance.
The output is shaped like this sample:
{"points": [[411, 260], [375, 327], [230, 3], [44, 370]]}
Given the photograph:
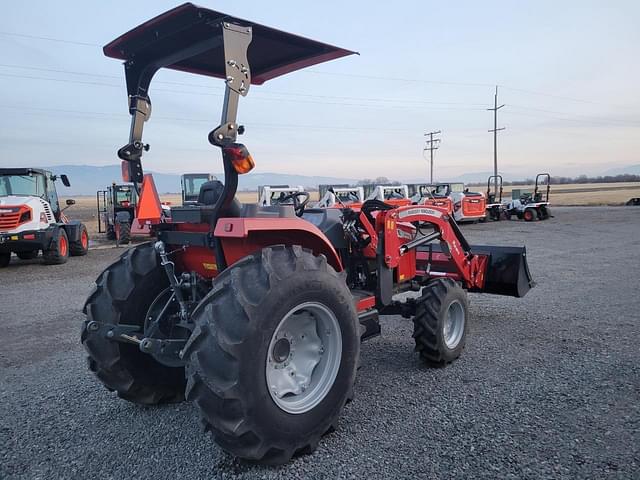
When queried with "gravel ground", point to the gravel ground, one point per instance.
{"points": [[548, 386]]}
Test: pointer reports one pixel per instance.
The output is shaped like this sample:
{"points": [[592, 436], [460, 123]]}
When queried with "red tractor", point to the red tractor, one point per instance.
{"points": [[256, 313]]}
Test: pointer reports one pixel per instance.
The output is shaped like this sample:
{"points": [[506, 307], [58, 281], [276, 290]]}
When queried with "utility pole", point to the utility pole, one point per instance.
{"points": [[495, 131], [431, 144]]}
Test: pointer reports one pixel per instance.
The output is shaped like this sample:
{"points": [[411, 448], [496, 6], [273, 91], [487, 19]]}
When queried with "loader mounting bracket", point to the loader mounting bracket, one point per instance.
{"points": [[116, 333]]}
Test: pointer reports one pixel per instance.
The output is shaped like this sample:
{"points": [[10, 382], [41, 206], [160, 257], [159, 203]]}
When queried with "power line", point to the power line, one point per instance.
{"points": [[270, 92], [408, 105], [50, 39], [83, 113], [495, 131], [433, 144], [371, 77]]}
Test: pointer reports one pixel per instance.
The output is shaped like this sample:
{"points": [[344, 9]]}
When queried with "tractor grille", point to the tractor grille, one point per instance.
{"points": [[9, 221]]}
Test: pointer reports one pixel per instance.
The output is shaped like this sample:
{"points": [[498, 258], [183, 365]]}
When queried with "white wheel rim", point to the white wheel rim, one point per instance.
{"points": [[453, 327], [303, 357]]}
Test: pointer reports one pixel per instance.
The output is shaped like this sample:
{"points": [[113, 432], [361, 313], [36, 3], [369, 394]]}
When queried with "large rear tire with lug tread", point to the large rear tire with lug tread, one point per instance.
{"points": [[123, 233], [441, 322], [5, 258], [273, 356], [123, 294], [28, 255], [58, 251], [81, 247]]}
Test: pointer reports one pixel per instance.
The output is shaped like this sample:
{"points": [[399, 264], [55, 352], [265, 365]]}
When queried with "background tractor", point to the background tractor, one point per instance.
{"points": [[467, 206], [190, 184], [423, 194], [272, 195], [496, 209], [118, 214], [340, 196], [31, 219], [116, 211], [531, 206], [393, 194], [253, 312]]}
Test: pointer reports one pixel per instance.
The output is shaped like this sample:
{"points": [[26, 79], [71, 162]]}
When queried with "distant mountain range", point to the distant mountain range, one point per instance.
{"points": [[630, 170], [86, 180]]}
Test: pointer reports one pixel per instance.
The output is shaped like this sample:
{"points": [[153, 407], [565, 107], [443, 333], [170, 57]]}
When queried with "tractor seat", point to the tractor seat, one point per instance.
{"points": [[211, 191], [329, 222]]}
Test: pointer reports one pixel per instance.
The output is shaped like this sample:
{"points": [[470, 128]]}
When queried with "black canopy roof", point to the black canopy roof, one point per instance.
{"points": [[23, 171], [271, 53]]}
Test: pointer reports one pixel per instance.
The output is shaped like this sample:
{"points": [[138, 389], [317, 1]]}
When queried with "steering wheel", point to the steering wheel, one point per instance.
{"points": [[298, 205]]}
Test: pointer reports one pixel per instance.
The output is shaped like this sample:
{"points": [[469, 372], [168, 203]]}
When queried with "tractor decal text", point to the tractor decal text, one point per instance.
{"points": [[419, 211]]}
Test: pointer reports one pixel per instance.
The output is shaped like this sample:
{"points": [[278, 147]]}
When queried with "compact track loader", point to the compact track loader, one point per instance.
{"points": [[256, 313]]}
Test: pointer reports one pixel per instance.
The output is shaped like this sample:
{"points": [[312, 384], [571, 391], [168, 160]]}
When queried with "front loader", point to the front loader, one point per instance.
{"points": [[256, 313], [32, 221]]}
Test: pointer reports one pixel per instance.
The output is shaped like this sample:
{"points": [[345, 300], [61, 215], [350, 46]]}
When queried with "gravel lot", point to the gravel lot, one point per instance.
{"points": [[548, 386]]}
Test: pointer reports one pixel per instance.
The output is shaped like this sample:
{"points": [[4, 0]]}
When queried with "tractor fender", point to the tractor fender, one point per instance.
{"points": [[123, 217], [243, 236], [73, 230]]}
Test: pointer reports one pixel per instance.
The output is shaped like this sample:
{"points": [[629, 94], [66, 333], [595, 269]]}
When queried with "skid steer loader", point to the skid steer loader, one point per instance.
{"points": [[256, 313]]}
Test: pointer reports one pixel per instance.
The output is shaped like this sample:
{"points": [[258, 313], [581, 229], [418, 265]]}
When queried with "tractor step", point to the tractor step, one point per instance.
{"points": [[370, 323]]}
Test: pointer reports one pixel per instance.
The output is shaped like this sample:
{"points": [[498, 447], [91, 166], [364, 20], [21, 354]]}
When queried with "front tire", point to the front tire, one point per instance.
{"points": [[254, 325], [122, 295], [441, 322], [58, 251], [5, 259], [81, 247]]}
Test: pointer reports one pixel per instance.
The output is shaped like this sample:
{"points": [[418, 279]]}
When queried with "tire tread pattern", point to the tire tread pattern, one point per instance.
{"points": [[113, 290], [213, 365], [427, 322]]}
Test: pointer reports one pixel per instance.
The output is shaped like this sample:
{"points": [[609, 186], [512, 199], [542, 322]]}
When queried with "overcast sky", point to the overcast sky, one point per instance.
{"points": [[568, 73]]}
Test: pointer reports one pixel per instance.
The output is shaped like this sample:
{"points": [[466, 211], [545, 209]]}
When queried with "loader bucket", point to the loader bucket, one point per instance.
{"points": [[507, 270]]}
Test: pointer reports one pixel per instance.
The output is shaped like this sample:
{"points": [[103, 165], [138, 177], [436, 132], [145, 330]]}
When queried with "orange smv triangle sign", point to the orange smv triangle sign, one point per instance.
{"points": [[149, 208]]}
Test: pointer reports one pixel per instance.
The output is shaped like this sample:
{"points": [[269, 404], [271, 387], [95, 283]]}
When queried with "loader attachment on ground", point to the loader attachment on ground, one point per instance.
{"points": [[507, 270]]}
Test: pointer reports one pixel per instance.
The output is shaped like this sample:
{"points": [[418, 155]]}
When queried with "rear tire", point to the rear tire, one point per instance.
{"points": [[28, 255], [529, 215], [239, 343], [81, 247], [58, 251], [5, 258], [123, 294], [441, 322], [123, 233]]}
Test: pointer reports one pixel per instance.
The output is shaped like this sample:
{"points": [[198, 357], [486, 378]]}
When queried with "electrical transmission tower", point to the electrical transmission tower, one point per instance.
{"points": [[431, 144], [495, 131]]}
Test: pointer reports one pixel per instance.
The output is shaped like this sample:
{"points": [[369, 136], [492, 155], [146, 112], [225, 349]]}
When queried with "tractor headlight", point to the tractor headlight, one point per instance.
{"points": [[25, 217]]}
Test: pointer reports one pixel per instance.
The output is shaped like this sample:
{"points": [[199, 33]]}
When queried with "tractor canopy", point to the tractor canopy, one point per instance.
{"points": [[271, 53]]}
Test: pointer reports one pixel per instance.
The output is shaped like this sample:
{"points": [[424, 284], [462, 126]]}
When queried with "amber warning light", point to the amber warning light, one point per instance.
{"points": [[239, 157]]}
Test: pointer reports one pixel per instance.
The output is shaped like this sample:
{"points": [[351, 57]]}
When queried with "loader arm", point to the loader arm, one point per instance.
{"points": [[444, 252]]}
